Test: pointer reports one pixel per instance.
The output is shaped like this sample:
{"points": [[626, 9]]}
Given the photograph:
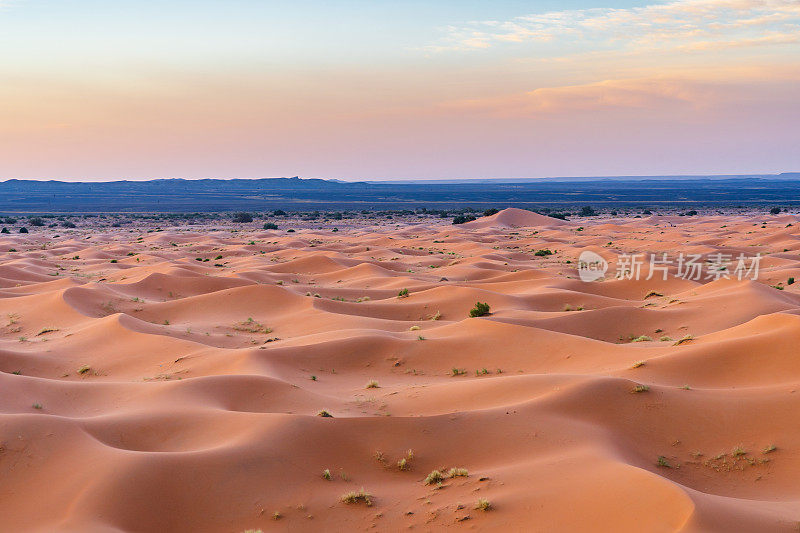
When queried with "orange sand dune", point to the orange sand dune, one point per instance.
{"points": [[173, 380]]}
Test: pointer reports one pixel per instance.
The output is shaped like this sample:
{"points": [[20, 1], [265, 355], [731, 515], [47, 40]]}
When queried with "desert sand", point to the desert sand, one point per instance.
{"points": [[173, 379]]}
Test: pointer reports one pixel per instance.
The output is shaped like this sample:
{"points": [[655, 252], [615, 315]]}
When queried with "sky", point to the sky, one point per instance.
{"points": [[371, 89]]}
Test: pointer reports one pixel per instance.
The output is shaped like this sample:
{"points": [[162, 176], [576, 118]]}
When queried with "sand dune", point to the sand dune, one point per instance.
{"points": [[173, 380]]}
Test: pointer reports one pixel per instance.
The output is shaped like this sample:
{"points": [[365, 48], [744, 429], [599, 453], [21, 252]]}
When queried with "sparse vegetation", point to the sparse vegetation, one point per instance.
{"points": [[684, 339], [480, 309], [662, 461], [405, 462], [483, 505], [326, 474], [462, 219], [242, 217], [640, 388], [403, 293], [251, 326], [372, 384], [642, 338], [325, 414], [359, 496], [434, 477]]}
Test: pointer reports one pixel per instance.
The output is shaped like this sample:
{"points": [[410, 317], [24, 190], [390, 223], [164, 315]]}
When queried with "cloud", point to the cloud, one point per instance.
{"points": [[630, 93], [662, 94], [675, 25]]}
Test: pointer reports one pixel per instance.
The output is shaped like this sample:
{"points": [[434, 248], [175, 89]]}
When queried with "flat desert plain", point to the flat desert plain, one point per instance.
{"points": [[179, 379]]}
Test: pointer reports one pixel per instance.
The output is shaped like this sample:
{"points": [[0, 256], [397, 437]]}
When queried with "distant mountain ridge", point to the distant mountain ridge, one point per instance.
{"points": [[181, 195]]}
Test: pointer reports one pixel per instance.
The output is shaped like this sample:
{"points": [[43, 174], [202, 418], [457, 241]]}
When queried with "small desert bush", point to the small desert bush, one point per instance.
{"points": [[480, 309], [686, 338], [640, 388], [662, 461], [326, 474], [458, 472], [483, 504], [242, 217], [462, 219], [434, 477], [403, 293], [405, 462], [325, 414], [372, 384], [357, 496], [642, 338]]}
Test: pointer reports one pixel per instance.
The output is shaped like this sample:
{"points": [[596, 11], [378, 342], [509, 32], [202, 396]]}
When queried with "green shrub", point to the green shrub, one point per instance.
{"points": [[434, 477], [480, 309], [461, 219], [242, 217]]}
